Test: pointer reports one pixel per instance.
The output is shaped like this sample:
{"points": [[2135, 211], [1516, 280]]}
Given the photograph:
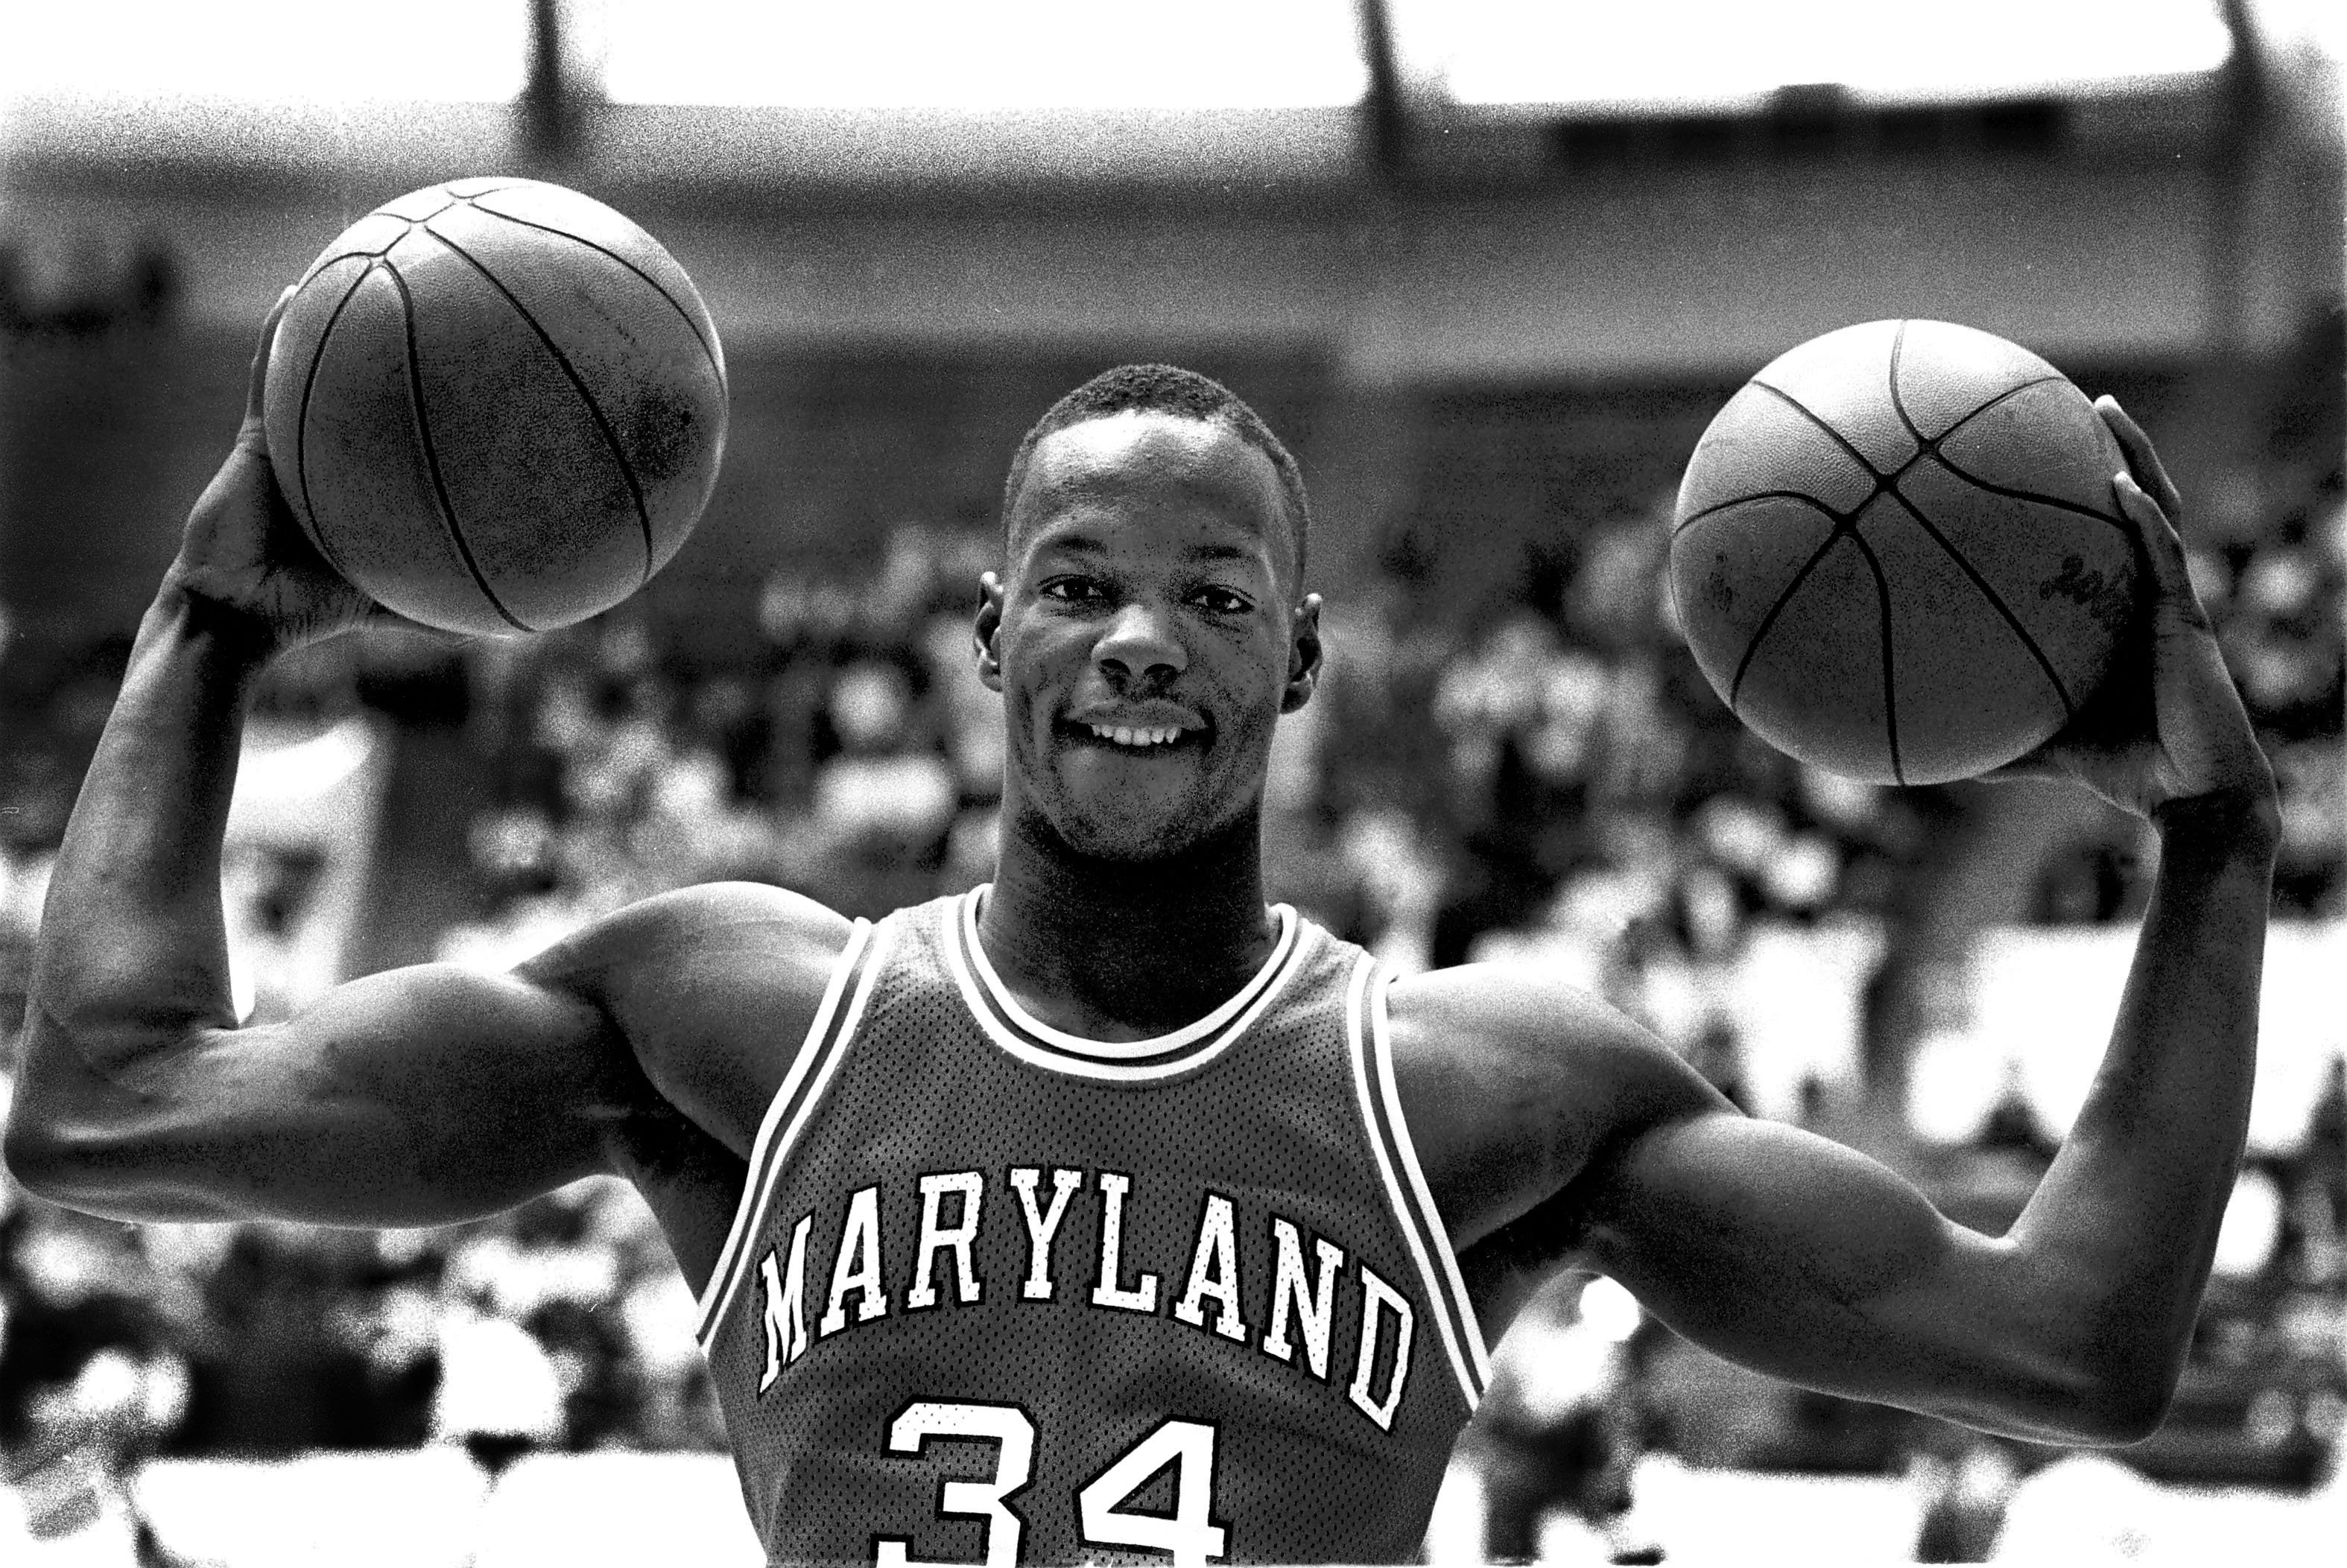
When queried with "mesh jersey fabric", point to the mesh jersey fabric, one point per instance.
{"points": [[996, 1293]]}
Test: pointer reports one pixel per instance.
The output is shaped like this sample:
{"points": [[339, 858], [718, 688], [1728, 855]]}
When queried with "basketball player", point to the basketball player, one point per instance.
{"points": [[1106, 1211]]}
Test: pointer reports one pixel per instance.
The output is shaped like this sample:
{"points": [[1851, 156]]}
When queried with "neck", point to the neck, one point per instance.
{"points": [[1125, 949]]}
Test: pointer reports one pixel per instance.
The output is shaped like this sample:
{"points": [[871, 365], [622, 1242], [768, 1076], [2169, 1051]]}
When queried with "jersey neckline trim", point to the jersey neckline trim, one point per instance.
{"points": [[1028, 1038]]}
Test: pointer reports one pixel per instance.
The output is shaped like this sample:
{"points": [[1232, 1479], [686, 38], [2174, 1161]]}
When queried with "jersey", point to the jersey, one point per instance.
{"points": [[996, 1293]]}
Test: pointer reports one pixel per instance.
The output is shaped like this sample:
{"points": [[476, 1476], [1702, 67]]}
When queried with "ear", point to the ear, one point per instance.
{"points": [[1304, 654], [986, 633]]}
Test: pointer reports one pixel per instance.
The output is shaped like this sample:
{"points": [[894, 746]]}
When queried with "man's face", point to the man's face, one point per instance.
{"points": [[1144, 635]]}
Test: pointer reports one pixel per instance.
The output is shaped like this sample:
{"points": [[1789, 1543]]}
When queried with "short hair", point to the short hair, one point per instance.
{"points": [[1167, 389]]}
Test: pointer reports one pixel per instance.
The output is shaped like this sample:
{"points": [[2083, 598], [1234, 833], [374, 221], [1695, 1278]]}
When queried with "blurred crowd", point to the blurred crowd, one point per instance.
{"points": [[1553, 780]]}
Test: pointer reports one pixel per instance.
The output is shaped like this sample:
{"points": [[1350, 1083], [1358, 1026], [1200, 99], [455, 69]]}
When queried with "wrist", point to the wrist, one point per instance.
{"points": [[2245, 821], [229, 635]]}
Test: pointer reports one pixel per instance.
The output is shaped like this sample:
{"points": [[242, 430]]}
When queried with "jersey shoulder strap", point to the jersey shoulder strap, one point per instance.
{"points": [[843, 999], [1370, 1049]]}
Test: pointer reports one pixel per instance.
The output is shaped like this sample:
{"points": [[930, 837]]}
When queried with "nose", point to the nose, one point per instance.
{"points": [[1140, 644]]}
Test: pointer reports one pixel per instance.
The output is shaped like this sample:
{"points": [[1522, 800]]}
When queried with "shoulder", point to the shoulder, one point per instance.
{"points": [[693, 935], [713, 986], [1513, 1082]]}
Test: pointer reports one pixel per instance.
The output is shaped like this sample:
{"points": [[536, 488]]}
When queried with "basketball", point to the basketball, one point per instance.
{"points": [[495, 405], [1897, 554]]}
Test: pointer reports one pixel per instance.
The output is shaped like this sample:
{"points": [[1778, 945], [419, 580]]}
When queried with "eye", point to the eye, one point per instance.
{"points": [[1074, 590], [1223, 600]]}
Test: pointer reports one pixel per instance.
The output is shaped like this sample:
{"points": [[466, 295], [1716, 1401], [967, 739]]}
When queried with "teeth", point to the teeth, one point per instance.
{"points": [[1132, 736]]}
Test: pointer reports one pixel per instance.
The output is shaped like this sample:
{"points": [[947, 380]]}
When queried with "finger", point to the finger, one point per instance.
{"points": [[2161, 543], [256, 383], [2143, 458]]}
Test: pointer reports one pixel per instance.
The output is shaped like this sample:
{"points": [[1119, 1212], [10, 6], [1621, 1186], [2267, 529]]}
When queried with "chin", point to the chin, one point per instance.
{"points": [[1129, 843], [1126, 840]]}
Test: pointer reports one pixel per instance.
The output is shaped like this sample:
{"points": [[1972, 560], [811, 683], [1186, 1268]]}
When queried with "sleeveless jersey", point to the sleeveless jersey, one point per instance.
{"points": [[997, 1294]]}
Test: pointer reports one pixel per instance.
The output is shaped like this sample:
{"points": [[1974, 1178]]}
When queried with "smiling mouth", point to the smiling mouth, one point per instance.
{"points": [[1138, 739], [1137, 736]]}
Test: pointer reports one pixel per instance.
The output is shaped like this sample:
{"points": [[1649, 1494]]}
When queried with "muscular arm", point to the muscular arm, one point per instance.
{"points": [[640, 1046], [412, 1098], [646, 1045], [1791, 1255], [1800, 1259], [1805, 1260]]}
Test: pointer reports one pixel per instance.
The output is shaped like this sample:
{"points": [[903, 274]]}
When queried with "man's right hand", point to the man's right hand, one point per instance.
{"points": [[244, 551]]}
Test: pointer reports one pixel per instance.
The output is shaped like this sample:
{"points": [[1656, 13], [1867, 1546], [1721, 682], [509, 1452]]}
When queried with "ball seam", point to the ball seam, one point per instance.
{"points": [[578, 384], [431, 454]]}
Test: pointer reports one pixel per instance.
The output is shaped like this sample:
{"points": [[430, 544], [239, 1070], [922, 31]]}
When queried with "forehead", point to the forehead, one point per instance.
{"points": [[1182, 478]]}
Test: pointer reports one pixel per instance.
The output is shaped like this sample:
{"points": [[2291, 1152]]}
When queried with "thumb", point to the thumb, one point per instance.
{"points": [[256, 385], [2033, 766]]}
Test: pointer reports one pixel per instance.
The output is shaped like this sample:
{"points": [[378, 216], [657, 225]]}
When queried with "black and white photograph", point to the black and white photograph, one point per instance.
{"points": [[1294, 782]]}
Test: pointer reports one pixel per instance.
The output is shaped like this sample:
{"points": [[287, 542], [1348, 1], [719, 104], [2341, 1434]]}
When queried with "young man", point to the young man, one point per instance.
{"points": [[1106, 1209]]}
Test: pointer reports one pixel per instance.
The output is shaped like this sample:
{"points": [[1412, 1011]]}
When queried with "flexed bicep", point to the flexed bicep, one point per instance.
{"points": [[1799, 1258], [1559, 1135], [417, 1097]]}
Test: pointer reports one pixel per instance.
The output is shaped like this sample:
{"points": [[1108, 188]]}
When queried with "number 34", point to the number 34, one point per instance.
{"points": [[1189, 1535]]}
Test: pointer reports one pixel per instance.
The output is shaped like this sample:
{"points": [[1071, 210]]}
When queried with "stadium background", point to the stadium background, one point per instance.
{"points": [[1491, 311]]}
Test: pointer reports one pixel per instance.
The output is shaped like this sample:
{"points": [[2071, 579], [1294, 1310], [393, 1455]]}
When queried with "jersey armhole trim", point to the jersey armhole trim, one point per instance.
{"points": [[834, 1021], [1371, 1050]]}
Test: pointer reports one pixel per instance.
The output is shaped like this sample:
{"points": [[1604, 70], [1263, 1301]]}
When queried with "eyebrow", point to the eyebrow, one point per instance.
{"points": [[1079, 544]]}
